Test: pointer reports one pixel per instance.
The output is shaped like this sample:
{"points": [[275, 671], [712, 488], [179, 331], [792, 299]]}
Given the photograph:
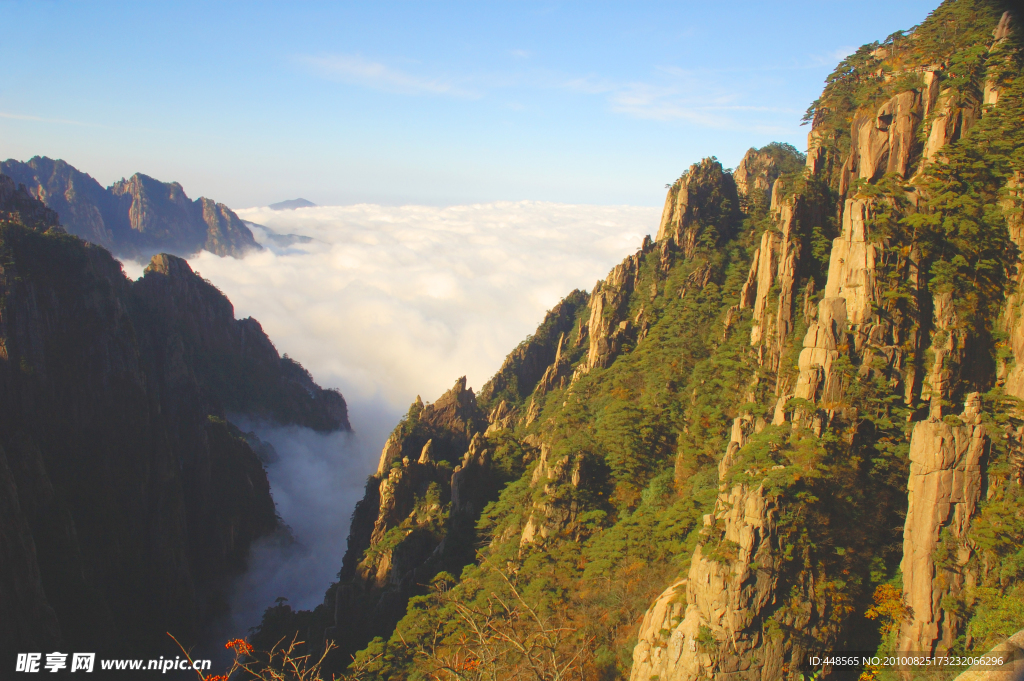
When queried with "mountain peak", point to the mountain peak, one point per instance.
{"points": [[134, 217], [292, 204]]}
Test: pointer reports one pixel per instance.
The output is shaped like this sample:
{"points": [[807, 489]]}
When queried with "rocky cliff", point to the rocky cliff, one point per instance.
{"points": [[133, 218], [129, 500], [881, 319], [789, 423]]}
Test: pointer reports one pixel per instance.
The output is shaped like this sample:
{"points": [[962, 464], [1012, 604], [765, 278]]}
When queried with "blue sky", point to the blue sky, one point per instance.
{"points": [[433, 103]]}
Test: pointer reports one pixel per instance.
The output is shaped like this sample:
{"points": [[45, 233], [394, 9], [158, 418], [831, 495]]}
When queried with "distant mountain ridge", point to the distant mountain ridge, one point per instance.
{"points": [[135, 217], [292, 204]]}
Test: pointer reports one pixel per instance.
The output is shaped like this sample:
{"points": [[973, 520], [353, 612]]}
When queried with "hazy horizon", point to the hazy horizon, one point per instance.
{"points": [[401, 103]]}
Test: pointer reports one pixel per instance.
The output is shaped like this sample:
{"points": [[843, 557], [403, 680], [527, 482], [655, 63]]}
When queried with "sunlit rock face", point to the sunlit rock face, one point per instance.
{"points": [[944, 490], [715, 622]]}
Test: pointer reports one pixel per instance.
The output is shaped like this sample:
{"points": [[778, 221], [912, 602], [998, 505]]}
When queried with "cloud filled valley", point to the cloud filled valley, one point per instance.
{"points": [[387, 303], [415, 430]]}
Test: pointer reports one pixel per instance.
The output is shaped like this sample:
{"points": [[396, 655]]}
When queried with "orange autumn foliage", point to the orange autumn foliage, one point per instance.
{"points": [[889, 609], [240, 646]]}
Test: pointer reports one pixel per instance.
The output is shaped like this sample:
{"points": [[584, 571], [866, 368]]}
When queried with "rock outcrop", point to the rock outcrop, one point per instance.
{"points": [[701, 204], [432, 481], [133, 218], [608, 328], [20, 207], [1012, 322], [780, 262], [949, 123], [716, 628], [849, 296], [756, 174], [448, 424], [851, 267], [886, 141], [549, 516], [943, 492]]}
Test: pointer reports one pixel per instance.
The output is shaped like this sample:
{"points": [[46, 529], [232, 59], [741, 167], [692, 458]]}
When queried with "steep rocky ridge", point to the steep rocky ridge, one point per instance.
{"points": [[609, 326], [232, 359], [132, 218], [404, 533], [533, 360], [415, 520], [759, 168], [129, 500], [859, 319], [698, 204], [784, 425]]}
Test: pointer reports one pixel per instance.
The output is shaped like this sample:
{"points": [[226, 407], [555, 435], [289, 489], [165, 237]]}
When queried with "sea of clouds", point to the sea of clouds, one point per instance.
{"points": [[390, 302], [387, 303]]}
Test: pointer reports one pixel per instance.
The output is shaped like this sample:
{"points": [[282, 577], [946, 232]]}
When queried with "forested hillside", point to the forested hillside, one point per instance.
{"points": [[790, 422]]}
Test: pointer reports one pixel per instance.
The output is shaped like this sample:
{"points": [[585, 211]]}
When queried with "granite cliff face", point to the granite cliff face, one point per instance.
{"points": [[784, 425], [699, 202], [430, 474], [921, 349], [132, 218], [129, 500], [944, 489]]}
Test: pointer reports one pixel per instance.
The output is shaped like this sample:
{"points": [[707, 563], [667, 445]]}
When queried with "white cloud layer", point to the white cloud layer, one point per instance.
{"points": [[385, 303], [316, 482]]}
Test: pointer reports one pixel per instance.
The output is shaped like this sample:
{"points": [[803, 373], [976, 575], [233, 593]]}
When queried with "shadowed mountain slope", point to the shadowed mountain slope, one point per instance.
{"points": [[128, 500]]}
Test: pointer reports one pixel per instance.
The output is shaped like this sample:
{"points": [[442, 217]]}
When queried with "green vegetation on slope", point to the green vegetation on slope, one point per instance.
{"points": [[674, 397]]}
